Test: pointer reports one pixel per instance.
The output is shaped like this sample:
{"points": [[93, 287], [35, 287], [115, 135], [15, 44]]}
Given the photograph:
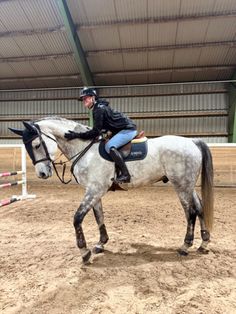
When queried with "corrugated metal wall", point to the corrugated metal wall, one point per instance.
{"points": [[170, 103], [161, 102]]}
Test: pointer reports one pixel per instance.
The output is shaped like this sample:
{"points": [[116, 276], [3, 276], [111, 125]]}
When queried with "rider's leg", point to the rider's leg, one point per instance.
{"points": [[124, 177], [118, 140]]}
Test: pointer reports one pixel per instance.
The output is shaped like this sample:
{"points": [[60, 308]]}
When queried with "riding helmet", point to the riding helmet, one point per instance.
{"points": [[86, 91]]}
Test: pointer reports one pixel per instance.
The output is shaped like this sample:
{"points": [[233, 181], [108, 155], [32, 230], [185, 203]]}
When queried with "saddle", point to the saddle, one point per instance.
{"points": [[133, 150]]}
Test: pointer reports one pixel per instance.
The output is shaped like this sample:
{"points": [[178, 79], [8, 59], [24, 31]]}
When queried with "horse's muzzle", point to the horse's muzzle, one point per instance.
{"points": [[44, 172], [43, 175]]}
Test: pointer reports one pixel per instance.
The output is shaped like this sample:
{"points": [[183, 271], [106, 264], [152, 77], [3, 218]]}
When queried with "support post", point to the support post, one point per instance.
{"points": [[23, 167], [232, 112], [22, 172], [75, 43]]}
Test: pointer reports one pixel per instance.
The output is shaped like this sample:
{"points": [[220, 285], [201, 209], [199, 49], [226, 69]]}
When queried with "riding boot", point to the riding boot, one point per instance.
{"points": [[124, 177]]}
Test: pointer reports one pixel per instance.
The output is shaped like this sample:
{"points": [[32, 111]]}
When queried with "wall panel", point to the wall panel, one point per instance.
{"points": [[165, 105]]}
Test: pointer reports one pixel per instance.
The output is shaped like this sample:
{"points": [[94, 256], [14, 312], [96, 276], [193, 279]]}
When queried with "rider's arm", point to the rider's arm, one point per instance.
{"points": [[98, 117]]}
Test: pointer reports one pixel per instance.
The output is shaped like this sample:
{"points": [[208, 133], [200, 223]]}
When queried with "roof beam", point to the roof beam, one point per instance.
{"points": [[120, 73], [158, 20], [40, 78], [36, 58], [31, 32], [229, 43], [79, 54], [164, 70]]}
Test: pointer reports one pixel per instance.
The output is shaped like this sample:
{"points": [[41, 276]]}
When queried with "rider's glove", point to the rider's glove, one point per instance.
{"points": [[71, 135]]}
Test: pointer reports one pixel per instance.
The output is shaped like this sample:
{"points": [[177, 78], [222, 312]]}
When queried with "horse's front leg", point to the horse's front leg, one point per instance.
{"points": [[89, 201], [98, 213]]}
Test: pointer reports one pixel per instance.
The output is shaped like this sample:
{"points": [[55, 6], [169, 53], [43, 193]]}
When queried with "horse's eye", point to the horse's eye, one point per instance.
{"points": [[37, 146]]}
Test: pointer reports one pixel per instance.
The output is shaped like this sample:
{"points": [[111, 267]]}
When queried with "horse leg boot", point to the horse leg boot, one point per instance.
{"points": [[124, 177], [205, 234], [98, 213], [188, 241], [80, 238]]}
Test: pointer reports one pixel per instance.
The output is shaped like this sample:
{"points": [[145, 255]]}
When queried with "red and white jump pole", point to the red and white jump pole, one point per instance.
{"points": [[8, 201], [8, 184], [21, 172], [8, 174]]}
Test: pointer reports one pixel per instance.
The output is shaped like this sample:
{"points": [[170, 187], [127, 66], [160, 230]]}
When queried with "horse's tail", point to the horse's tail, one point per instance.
{"points": [[206, 184]]}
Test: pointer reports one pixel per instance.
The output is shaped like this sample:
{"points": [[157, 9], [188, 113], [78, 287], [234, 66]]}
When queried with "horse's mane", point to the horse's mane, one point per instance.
{"points": [[62, 120], [52, 118]]}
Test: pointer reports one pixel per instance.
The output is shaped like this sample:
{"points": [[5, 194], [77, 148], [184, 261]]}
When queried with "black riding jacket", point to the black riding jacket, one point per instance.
{"points": [[107, 119]]}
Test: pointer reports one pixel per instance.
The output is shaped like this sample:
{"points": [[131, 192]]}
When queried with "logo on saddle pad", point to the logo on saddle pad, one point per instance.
{"points": [[134, 150]]}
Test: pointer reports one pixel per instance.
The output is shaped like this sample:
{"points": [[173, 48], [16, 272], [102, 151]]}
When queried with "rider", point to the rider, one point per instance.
{"points": [[106, 119]]}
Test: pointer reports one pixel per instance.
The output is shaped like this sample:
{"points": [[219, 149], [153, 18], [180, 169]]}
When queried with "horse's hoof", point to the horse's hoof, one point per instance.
{"points": [[105, 240], [202, 250], [182, 253], [98, 249], [86, 257]]}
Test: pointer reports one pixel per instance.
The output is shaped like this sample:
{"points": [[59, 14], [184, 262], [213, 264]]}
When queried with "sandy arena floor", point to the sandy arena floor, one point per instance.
{"points": [[140, 271]]}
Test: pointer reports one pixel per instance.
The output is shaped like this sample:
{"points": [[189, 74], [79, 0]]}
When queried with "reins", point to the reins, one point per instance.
{"points": [[78, 156], [81, 154], [62, 177]]}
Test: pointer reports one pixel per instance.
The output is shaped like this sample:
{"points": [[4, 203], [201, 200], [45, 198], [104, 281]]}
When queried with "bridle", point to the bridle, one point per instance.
{"points": [[39, 133], [28, 145]]}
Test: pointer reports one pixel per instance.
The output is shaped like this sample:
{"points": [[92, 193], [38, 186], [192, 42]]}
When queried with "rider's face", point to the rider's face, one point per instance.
{"points": [[88, 101]]}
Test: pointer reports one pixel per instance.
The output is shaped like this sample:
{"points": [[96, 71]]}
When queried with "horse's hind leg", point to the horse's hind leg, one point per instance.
{"points": [[205, 234], [188, 203], [98, 213]]}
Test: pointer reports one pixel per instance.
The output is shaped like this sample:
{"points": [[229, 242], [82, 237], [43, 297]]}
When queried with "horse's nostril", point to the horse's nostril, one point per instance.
{"points": [[42, 175]]}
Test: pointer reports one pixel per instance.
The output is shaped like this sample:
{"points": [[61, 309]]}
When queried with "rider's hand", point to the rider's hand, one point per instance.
{"points": [[71, 135]]}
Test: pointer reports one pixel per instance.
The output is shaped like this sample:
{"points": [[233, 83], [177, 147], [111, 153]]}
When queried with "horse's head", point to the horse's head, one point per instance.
{"points": [[40, 146]]}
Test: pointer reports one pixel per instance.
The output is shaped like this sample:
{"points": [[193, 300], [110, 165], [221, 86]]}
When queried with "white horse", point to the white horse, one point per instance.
{"points": [[179, 159]]}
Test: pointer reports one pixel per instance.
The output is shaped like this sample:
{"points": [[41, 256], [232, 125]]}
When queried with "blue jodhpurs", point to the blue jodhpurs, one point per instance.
{"points": [[120, 139]]}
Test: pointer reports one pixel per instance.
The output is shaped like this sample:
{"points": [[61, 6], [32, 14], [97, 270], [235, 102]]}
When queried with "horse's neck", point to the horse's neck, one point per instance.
{"points": [[58, 128]]}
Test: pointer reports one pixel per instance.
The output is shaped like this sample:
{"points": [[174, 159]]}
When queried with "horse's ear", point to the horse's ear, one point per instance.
{"points": [[16, 131], [29, 126]]}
